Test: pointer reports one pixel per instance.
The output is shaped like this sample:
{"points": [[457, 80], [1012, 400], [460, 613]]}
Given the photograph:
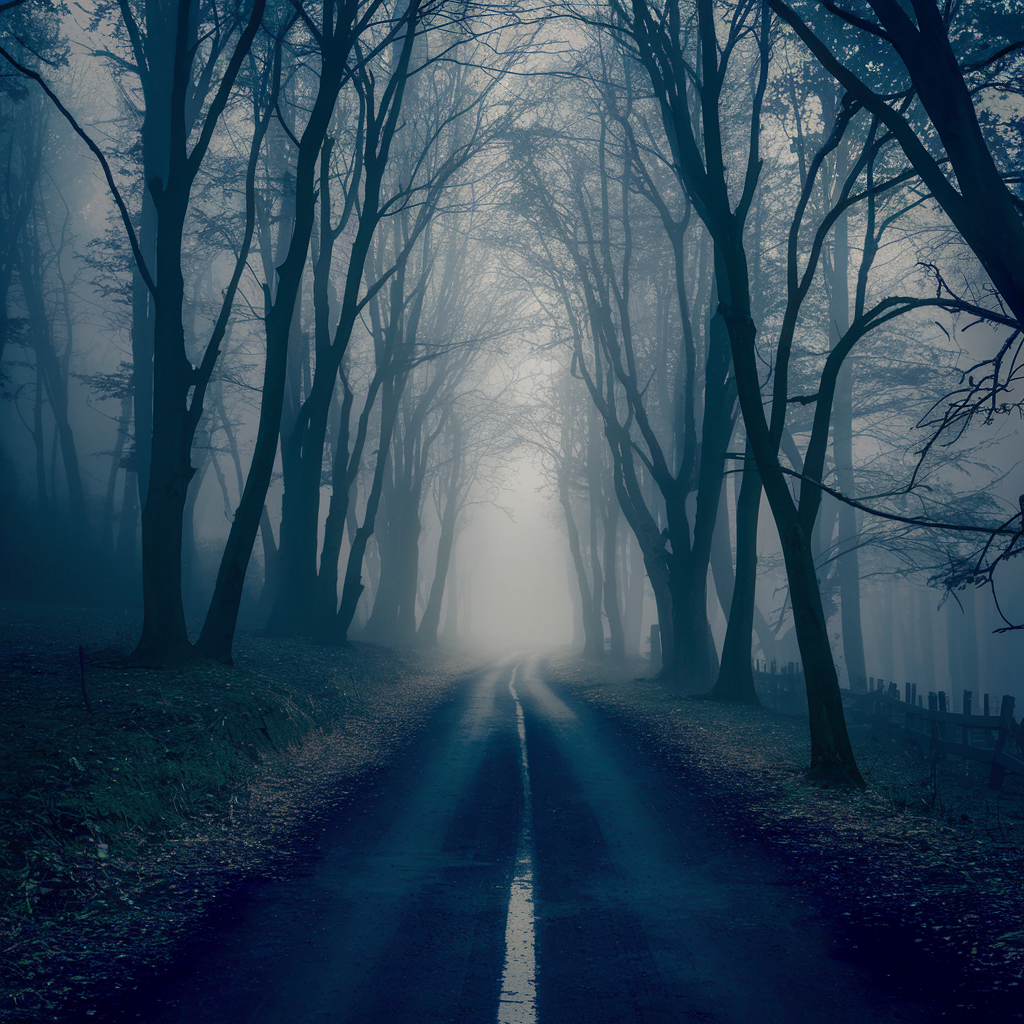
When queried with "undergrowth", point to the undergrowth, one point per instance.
{"points": [[161, 749], [118, 829]]}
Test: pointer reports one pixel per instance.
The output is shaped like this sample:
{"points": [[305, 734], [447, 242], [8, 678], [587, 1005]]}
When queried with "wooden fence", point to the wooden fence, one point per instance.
{"points": [[997, 740], [781, 688]]}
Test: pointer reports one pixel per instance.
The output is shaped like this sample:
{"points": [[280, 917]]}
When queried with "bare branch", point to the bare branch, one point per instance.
{"points": [[98, 153]]}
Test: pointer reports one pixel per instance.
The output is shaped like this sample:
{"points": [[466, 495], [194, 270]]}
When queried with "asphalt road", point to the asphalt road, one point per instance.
{"points": [[524, 863]]}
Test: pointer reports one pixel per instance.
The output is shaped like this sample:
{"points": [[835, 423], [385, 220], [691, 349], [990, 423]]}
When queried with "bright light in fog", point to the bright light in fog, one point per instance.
{"points": [[517, 587]]}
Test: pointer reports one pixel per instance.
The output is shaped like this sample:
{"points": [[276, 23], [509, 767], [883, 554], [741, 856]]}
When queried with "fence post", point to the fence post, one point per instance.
{"points": [[966, 731], [995, 779]]}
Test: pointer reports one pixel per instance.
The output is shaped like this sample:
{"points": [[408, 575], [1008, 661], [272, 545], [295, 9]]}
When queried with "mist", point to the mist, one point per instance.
{"points": [[511, 512], [453, 355]]}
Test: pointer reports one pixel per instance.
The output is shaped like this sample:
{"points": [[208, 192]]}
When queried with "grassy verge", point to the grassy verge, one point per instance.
{"points": [[924, 867], [120, 828]]}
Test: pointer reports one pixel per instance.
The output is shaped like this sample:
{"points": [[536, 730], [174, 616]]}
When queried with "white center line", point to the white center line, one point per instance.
{"points": [[518, 1003]]}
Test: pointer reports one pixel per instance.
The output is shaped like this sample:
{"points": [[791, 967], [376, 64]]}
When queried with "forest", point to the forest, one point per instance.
{"points": [[290, 291], [565, 450]]}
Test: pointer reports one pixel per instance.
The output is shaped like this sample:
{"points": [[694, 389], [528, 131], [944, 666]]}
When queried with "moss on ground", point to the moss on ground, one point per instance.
{"points": [[120, 829]]}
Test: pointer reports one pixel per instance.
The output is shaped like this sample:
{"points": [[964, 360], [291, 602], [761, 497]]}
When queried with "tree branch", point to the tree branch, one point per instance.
{"points": [[909, 520], [98, 153]]}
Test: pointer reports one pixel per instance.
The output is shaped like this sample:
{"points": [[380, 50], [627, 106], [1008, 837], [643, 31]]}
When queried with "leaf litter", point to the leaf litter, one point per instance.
{"points": [[120, 831], [923, 869]]}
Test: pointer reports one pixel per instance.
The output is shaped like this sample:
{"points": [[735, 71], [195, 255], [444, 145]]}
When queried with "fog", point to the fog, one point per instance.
{"points": [[467, 378], [516, 585]]}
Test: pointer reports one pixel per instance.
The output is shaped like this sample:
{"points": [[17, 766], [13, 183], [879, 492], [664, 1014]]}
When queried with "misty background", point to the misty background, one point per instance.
{"points": [[504, 316]]}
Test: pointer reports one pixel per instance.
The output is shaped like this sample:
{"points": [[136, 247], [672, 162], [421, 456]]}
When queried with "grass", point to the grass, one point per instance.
{"points": [[120, 829]]}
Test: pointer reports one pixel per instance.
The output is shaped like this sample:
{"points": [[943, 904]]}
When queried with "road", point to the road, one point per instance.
{"points": [[524, 863]]}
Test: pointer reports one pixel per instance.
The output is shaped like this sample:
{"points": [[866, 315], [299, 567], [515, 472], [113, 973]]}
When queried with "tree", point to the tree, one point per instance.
{"points": [[413, 152], [178, 387], [303, 445], [337, 39], [586, 203], [561, 427], [981, 205], [688, 69], [455, 333]]}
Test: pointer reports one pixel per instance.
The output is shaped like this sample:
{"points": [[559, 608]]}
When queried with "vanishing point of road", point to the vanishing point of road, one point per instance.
{"points": [[524, 863]]}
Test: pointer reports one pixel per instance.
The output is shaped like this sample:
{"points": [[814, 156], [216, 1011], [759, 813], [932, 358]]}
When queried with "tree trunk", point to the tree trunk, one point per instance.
{"points": [[735, 677], [696, 657], [382, 622], [56, 387], [269, 564], [300, 510], [831, 752], [722, 573], [610, 522], [427, 632], [450, 632], [409, 563], [215, 640], [765, 635], [218, 632], [353, 586], [164, 638], [633, 577], [431, 621], [128, 526], [154, 166], [39, 442], [337, 511], [594, 498], [842, 448], [593, 633], [968, 623], [190, 574], [925, 634], [117, 458]]}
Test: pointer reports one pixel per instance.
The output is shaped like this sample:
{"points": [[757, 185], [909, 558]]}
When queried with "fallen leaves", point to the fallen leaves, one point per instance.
{"points": [[932, 858], [118, 833]]}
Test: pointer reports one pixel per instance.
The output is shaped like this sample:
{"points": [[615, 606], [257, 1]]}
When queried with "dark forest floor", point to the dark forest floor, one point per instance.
{"points": [[924, 867], [119, 832]]}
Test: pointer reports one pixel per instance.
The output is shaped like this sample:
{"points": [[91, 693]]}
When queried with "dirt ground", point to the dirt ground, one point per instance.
{"points": [[926, 865], [120, 829]]}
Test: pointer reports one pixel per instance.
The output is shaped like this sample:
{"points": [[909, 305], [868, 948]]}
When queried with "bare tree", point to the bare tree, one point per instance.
{"points": [[981, 205]]}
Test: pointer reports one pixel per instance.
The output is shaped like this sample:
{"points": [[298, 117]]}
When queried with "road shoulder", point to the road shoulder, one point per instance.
{"points": [[123, 829], [930, 896]]}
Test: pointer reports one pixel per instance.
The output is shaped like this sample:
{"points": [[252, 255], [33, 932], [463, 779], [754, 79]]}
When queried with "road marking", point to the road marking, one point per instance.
{"points": [[518, 1003]]}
